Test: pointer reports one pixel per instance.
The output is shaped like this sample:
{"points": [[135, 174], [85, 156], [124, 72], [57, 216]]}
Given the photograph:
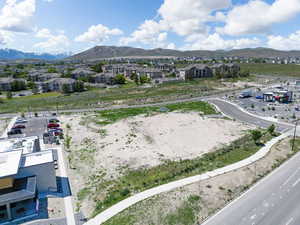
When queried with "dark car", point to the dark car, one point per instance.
{"points": [[52, 125], [19, 126], [55, 132], [56, 129], [53, 121], [14, 131]]}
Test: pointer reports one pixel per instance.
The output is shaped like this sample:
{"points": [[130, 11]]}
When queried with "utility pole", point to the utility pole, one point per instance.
{"points": [[294, 138]]}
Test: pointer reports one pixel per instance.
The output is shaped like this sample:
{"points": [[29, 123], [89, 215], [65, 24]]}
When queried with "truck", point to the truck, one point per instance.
{"points": [[246, 94]]}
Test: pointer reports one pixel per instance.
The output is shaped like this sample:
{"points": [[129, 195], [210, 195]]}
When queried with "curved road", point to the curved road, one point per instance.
{"points": [[234, 112]]}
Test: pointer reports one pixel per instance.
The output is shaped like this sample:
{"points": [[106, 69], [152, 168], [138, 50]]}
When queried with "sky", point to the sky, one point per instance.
{"points": [[57, 26]]}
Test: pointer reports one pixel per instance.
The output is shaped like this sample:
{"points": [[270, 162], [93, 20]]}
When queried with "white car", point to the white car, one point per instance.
{"points": [[21, 121]]}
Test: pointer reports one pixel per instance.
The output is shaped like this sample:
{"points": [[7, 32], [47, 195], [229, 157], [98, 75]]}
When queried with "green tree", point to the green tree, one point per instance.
{"points": [[97, 68], [52, 70], [79, 86], [9, 95], [271, 129], [120, 79], [66, 88], [35, 89], [31, 85], [256, 135], [144, 79]]}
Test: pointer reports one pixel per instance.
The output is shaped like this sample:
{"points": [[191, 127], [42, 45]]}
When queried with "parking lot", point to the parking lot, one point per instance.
{"points": [[35, 126], [287, 112]]}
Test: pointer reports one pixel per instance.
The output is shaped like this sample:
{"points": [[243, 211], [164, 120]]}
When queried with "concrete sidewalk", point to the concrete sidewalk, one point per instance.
{"points": [[119, 207]]}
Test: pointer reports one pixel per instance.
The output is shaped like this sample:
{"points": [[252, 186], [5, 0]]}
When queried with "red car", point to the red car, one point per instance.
{"points": [[19, 126], [53, 125]]}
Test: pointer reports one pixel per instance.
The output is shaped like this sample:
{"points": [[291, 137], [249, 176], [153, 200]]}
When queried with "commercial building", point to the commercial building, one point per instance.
{"points": [[25, 172]]}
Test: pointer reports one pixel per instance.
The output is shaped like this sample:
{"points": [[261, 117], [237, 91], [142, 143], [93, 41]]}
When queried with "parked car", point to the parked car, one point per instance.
{"points": [[55, 132], [21, 121], [14, 131], [52, 125], [19, 126], [53, 121], [56, 129], [259, 97]]}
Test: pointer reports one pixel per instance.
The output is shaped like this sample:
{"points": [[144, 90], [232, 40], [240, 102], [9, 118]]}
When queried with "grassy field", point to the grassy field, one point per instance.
{"points": [[108, 192], [291, 70], [129, 94], [111, 116]]}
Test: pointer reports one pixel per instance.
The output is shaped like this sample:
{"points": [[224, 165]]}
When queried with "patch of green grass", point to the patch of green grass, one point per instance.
{"points": [[127, 94], [297, 144], [134, 181], [103, 132], [83, 193], [112, 116], [292, 70], [185, 214]]}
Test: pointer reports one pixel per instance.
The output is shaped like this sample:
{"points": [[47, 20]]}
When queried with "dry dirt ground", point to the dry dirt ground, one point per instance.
{"points": [[140, 142], [207, 196]]}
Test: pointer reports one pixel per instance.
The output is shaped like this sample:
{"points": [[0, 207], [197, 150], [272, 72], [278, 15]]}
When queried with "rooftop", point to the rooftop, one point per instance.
{"points": [[24, 144], [37, 158], [9, 163]]}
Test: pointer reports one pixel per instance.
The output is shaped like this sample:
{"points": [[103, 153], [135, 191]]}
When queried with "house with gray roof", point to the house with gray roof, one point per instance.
{"points": [[104, 78], [57, 84], [195, 71], [6, 83], [81, 73]]}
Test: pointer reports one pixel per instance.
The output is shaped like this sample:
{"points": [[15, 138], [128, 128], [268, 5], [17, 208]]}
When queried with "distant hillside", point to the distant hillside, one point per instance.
{"points": [[11, 54], [100, 52]]}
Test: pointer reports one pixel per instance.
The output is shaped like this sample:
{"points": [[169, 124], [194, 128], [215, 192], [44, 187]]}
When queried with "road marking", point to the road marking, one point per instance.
{"points": [[290, 177], [296, 182], [290, 221]]}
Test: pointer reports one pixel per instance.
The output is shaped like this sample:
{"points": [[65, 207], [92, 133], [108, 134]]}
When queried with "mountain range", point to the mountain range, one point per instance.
{"points": [[12, 54], [100, 52]]}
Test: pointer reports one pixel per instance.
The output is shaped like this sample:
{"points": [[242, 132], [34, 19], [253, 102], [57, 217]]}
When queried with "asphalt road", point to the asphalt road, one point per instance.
{"points": [[234, 112], [273, 201]]}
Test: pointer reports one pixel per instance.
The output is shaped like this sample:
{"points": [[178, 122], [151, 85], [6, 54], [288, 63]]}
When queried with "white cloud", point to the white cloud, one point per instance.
{"points": [[216, 42], [290, 42], [184, 17], [15, 15], [97, 34], [148, 33], [257, 16], [187, 17], [53, 43], [5, 37]]}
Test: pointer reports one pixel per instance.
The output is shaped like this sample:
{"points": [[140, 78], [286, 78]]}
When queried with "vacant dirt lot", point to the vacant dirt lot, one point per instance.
{"points": [[106, 151], [211, 195]]}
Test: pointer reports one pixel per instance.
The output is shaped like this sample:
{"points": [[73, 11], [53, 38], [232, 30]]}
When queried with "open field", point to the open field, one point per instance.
{"points": [[191, 204], [131, 154], [290, 70], [129, 94]]}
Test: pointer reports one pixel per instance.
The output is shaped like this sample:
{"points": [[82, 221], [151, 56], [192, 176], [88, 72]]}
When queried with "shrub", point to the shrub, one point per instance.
{"points": [[256, 135]]}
